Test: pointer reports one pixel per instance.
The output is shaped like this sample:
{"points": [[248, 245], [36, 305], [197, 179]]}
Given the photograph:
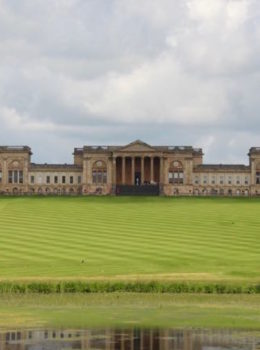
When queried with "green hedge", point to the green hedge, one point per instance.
{"points": [[133, 287]]}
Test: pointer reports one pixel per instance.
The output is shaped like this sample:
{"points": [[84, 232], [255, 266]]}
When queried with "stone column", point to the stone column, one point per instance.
{"points": [[161, 171], [142, 170], [114, 171], [151, 170], [123, 170], [133, 170]]}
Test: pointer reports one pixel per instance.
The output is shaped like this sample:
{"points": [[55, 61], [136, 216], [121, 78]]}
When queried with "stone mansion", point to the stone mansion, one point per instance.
{"points": [[134, 169]]}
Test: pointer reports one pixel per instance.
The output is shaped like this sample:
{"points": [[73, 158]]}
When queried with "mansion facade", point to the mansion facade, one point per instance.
{"points": [[134, 169]]}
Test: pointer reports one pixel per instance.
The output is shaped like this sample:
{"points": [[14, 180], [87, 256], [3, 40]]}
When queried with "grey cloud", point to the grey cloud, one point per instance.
{"points": [[95, 71]]}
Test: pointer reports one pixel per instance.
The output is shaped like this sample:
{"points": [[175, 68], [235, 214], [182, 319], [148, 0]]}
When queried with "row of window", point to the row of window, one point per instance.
{"points": [[99, 176], [54, 191], [221, 180], [56, 179], [222, 192], [16, 177]]}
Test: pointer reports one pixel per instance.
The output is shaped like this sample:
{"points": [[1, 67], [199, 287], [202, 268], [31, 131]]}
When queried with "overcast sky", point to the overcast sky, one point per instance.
{"points": [[169, 72]]}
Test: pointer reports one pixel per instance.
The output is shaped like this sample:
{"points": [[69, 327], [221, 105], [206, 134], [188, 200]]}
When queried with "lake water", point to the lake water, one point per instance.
{"points": [[132, 339]]}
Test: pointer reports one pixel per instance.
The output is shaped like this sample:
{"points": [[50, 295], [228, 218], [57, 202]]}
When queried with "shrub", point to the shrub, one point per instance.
{"points": [[127, 287]]}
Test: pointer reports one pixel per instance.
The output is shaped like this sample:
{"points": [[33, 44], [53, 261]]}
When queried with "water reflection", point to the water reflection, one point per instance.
{"points": [[133, 339]]}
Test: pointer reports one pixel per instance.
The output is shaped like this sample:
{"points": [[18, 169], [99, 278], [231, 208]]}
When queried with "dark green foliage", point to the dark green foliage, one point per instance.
{"points": [[124, 286]]}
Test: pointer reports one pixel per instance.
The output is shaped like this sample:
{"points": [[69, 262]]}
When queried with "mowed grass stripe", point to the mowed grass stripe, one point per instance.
{"points": [[145, 229], [100, 245], [134, 246], [128, 247], [77, 243], [151, 234]]}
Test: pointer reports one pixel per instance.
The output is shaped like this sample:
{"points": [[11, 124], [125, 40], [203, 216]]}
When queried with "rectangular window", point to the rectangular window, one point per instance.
{"points": [[94, 177], [48, 179], [15, 176], [230, 180], [10, 177], [1, 176], [32, 179], [205, 180], [221, 180], [258, 177], [104, 177], [20, 177], [55, 179], [246, 181], [63, 179], [71, 179], [79, 179]]}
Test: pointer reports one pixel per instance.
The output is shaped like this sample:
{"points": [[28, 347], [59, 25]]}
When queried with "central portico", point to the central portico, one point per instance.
{"points": [[137, 168], [137, 164]]}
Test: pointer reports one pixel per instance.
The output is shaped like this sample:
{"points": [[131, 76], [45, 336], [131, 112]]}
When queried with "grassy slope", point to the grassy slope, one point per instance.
{"points": [[130, 310], [167, 238]]}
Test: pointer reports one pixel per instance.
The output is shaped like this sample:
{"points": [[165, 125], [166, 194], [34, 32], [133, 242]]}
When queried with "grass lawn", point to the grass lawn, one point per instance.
{"points": [[164, 239], [130, 310], [130, 238]]}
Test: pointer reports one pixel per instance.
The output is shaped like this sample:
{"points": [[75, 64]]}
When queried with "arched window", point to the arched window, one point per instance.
{"points": [[99, 173], [175, 174]]}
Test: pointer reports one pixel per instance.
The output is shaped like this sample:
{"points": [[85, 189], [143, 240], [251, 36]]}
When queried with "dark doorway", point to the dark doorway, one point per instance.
{"points": [[137, 178]]}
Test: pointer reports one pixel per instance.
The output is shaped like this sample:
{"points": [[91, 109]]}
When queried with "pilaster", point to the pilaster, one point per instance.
{"points": [[114, 171], [5, 171], [253, 172]]}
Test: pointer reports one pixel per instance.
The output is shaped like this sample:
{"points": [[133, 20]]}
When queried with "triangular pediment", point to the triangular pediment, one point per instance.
{"points": [[137, 146]]}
